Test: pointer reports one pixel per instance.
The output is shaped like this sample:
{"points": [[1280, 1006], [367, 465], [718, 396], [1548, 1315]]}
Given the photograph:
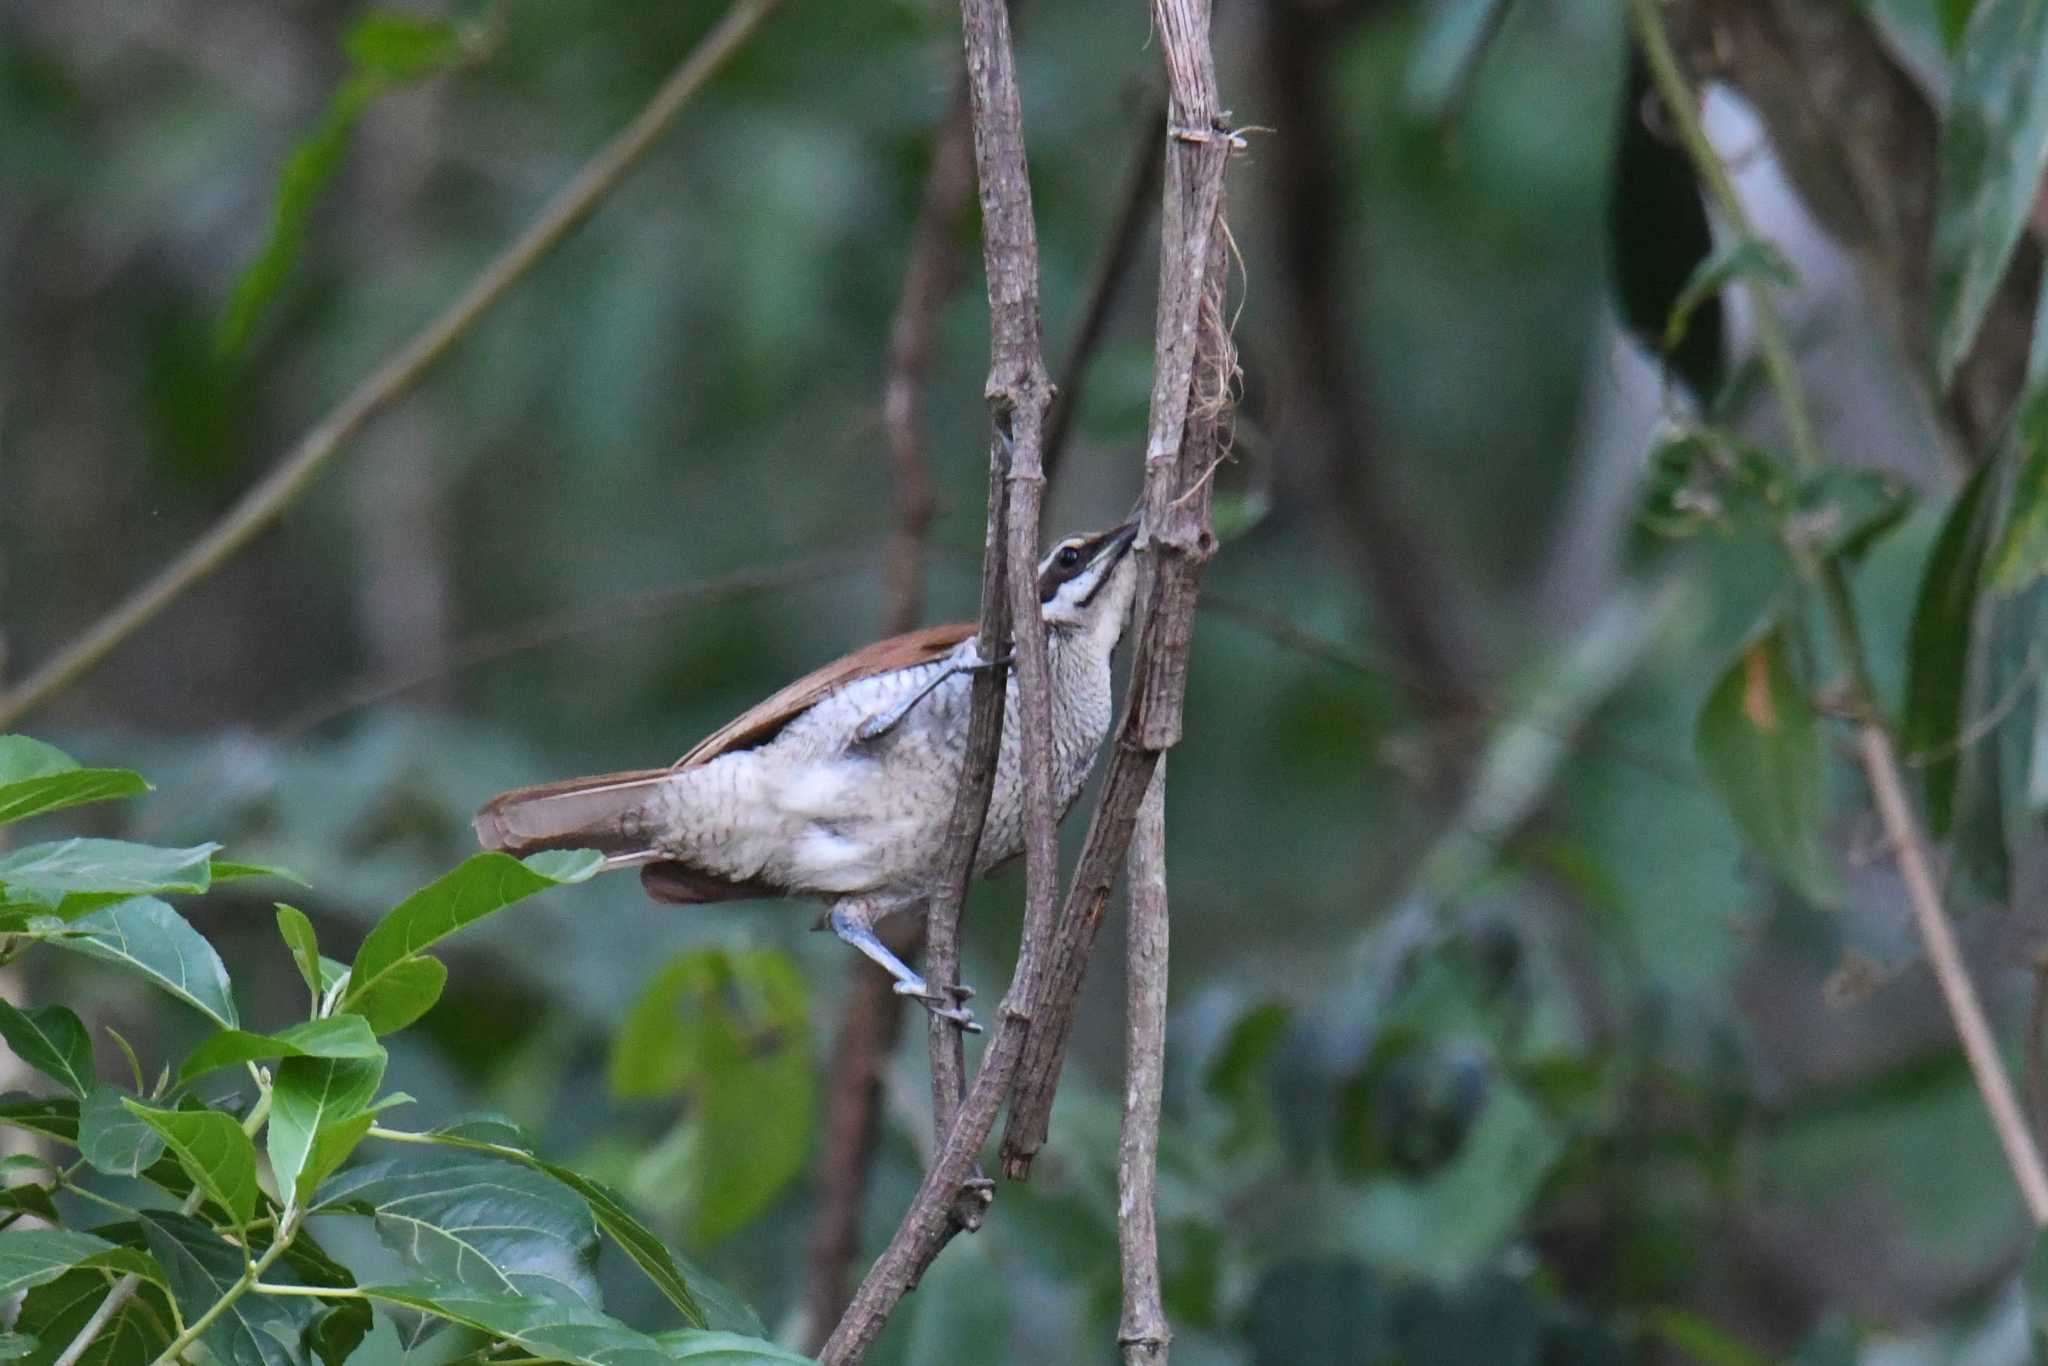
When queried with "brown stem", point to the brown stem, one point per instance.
{"points": [[1189, 432], [1143, 1332], [871, 1016], [1401, 568], [262, 504], [1134, 210], [1176, 521], [1980, 1046], [870, 1022], [929, 279]]}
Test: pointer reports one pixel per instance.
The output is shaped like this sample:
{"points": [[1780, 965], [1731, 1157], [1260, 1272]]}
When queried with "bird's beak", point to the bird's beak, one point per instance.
{"points": [[1116, 542]]}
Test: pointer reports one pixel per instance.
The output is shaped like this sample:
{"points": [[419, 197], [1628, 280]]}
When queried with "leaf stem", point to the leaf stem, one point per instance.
{"points": [[248, 1279], [318, 1292]]}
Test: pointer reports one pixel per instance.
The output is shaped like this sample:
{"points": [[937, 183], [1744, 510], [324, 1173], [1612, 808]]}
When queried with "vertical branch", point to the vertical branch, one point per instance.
{"points": [[1189, 433], [1134, 208], [871, 1017], [1185, 441], [1142, 1332], [1401, 569]]}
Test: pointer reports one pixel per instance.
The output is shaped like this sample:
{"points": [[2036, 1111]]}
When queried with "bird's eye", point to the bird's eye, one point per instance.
{"points": [[1068, 557]]}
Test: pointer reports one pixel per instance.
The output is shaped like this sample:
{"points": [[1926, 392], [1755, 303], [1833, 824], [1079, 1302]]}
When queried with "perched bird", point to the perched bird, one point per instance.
{"points": [[839, 786]]}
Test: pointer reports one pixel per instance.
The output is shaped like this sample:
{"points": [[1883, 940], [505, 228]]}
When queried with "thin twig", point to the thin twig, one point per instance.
{"points": [[1874, 741], [929, 279], [949, 1199], [1143, 1332], [1134, 211], [263, 503], [1771, 337], [1881, 763], [1192, 390], [2037, 1049], [871, 1015], [486, 647]]}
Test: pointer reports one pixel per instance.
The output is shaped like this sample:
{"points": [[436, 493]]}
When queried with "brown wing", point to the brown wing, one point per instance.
{"points": [[760, 724]]}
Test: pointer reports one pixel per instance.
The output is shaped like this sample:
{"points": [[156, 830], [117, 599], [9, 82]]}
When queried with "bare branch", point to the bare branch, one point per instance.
{"points": [[488, 646], [870, 1022], [1019, 392], [1401, 568], [871, 1015], [1881, 765], [262, 504], [1142, 1332], [1192, 393], [1177, 535], [929, 279], [1134, 210]]}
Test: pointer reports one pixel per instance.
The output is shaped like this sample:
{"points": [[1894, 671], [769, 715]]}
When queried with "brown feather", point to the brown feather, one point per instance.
{"points": [[761, 723], [599, 812]]}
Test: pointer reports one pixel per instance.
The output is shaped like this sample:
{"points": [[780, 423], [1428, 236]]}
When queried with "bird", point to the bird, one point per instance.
{"points": [[839, 787]]}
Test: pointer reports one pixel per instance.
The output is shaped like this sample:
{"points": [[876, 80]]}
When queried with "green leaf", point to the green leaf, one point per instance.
{"points": [[1743, 258], [702, 1300], [113, 1140], [51, 1040], [1954, 19], [57, 1312], [298, 935], [29, 1197], [226, 870], [1845, 512], [480, 886], [214, 1152], [2022, 554], [1761, 751], [552, 1329], [400, 46], [255, 1330], [387, 51], [1938, 644], [51, 1116], [475, 1222], [735, 1349], [36, 778], [731, 1029], [46, 873], [339, 1327], [339, 1036], [32, 1256], [1994, 147], [148, 937], [405, 991], [317, 1117], [14, 1346]]}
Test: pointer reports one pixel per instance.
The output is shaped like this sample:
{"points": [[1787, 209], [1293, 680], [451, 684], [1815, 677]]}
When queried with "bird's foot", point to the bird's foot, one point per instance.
{"points": [[948, 1007]]}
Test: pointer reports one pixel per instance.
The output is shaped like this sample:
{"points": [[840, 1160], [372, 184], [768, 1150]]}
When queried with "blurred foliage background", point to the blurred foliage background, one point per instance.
{"points": [[1491, 1041]]}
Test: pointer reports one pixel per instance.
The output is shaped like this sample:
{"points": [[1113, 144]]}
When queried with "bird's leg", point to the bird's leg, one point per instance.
{"points": [[886, 720], [853, 921]]}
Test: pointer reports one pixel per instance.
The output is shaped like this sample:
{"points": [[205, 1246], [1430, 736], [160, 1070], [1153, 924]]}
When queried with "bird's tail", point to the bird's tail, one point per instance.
{"points": [[608, 813]]}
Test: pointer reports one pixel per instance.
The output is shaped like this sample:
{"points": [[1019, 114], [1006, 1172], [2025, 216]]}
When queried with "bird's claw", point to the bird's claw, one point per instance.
{"points": [[940, 1006]]}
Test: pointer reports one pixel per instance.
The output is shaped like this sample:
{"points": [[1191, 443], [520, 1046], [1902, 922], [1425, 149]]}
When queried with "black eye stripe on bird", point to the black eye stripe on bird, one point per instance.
{"points": [[840, 786]]}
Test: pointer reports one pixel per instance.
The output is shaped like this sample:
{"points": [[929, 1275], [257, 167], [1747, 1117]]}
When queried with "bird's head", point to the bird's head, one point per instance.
{"points": [[1086, 582]]}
